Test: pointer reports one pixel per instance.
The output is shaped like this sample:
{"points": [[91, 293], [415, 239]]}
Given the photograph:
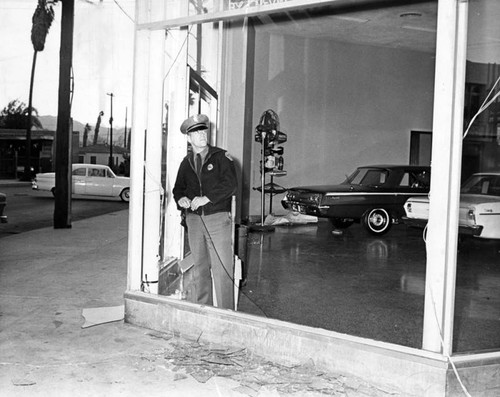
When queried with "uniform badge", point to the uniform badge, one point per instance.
{"points": [[210, 167], [228, 156]]}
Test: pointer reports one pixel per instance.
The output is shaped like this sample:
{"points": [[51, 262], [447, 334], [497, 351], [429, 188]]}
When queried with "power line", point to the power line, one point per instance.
{"points": [[121, 8]]}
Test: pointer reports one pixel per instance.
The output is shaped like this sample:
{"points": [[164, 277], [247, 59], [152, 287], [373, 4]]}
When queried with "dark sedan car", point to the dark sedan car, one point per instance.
{"points": [[3, 202], [373, 195]]}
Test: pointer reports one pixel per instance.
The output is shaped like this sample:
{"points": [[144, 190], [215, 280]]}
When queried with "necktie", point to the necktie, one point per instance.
{"points": [[198, 164]]}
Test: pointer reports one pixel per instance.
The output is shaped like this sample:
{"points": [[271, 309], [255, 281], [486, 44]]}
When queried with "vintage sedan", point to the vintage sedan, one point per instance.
{"points": [[373, 195], [3, 203], [90, 180], [479, 211]]}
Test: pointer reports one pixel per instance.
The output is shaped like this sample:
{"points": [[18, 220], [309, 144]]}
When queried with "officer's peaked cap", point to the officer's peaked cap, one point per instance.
{"points": [[195, 123]]}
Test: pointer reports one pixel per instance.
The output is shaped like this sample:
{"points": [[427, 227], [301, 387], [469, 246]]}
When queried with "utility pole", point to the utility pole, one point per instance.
{"points": [[111, 162], [125, 136], [62, 203]]}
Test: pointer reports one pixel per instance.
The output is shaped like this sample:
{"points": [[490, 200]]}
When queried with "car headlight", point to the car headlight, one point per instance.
{"points": [[305, 198], [290, 196], [471, 216], [314, 198]]}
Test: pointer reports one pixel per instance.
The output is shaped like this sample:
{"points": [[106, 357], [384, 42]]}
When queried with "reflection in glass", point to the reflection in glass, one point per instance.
{"points": [[477, 301]]}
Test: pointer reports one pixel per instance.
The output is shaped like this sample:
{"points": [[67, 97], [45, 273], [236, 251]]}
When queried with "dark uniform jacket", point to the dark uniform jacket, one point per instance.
{"points": [[217, 181]]}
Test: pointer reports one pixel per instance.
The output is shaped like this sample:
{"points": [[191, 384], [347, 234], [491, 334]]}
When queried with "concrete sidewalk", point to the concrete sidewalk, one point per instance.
{"points": [[49, 277]]}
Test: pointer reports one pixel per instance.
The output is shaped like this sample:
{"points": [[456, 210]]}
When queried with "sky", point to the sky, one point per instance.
{"points": [[103, 44], [103, 56]]}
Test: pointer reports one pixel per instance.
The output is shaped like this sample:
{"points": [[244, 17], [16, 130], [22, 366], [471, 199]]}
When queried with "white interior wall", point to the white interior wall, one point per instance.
{"points": [[341, 105]]}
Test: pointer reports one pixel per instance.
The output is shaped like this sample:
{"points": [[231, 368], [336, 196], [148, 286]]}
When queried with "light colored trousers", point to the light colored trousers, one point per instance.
{"points": [[210, 243]]}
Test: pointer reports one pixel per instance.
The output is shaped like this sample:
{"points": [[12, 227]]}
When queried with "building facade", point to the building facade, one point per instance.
{"points": [[13, 151], [350, 81]]}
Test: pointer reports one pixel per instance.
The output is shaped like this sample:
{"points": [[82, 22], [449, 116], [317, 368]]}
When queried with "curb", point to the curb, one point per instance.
{"points": [[13, 183]]}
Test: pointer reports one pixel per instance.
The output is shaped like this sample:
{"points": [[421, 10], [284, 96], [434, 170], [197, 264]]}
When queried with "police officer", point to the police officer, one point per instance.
{"points": [[205, 184]]}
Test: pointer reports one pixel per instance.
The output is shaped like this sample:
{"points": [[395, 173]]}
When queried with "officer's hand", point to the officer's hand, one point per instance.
{"points": [[184, 202], [199, 202]]}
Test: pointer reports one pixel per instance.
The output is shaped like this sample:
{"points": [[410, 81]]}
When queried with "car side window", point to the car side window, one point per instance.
{"points": [[495, 187], [473, 186], [374, 177], [485, 186], [96, 172], [490, 186], [406, 180], [417, 180], [79, 172]]}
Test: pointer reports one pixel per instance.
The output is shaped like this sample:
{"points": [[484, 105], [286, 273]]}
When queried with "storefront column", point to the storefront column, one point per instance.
{"points": [[145, 170], [177, 98], [153, 191], [238, 54], [139, 125], [442, 237]]}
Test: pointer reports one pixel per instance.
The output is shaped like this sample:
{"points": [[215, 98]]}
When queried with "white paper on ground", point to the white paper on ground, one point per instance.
{"points": [[102, 315]]}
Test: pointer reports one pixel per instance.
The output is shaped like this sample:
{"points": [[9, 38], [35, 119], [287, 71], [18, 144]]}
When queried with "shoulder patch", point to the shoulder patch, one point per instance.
{"points": [[228, 156]]}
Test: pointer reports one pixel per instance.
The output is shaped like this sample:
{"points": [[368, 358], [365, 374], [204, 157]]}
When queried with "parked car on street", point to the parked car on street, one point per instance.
{"points": [[3, 203], [479, 211], [88, 179], [373, 195]]}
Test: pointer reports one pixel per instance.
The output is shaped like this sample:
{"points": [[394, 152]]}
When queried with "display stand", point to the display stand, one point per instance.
{"points": [[273, 188], [267, 134], [261, 227]]}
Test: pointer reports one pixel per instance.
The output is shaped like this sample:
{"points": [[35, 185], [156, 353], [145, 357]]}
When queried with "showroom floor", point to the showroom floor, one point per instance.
{"points": [[367, 286]]}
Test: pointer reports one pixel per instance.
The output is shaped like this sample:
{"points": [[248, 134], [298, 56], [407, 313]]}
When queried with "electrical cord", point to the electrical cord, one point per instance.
{"points": [[486, 103], [448, 357], [145, 284], [445, 353], [227, 272], [122, 10]]}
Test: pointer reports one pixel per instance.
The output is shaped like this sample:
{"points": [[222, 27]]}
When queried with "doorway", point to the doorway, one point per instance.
{"points": [[420, 147]]}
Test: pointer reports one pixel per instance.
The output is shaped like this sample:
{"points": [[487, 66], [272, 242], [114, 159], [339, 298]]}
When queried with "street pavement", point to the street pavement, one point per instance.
{"points": [[50, 278]]}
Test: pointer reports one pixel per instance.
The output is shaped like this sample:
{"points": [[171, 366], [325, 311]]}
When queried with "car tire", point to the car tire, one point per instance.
{"points": [[377, 221], [341, 223], [125, 195]]}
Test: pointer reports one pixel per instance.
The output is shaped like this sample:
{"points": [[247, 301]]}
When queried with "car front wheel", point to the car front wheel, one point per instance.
{"points": [[125, 195], [377, 221]]}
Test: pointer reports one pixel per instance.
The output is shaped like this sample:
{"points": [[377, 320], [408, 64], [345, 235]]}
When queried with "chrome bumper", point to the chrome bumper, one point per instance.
{"points": [[472, 230]]}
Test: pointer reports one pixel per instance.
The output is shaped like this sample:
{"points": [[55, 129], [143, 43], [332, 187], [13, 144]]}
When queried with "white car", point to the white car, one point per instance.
{"points": [[88, 179], [479, 213]]}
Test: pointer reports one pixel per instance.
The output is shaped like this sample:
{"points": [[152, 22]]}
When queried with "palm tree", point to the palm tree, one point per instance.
{"points": [[15, 115], [42, 19]]}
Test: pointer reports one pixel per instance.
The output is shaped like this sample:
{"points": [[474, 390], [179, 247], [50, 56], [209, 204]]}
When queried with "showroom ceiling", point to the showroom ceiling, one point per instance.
{"points": [[398, 24], [410, 26]]}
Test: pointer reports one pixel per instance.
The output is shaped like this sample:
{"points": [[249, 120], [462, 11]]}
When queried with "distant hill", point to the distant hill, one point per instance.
{"points": [[50, 123]]}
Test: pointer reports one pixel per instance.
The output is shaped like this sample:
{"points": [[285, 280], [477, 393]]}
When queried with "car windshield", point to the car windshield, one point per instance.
{"points": [[482, 184], [367, 177]]}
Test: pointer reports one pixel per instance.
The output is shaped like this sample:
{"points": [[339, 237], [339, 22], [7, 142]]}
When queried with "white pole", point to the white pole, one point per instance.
{"points": [[262, 179], [139, 122], [442, 236]]}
